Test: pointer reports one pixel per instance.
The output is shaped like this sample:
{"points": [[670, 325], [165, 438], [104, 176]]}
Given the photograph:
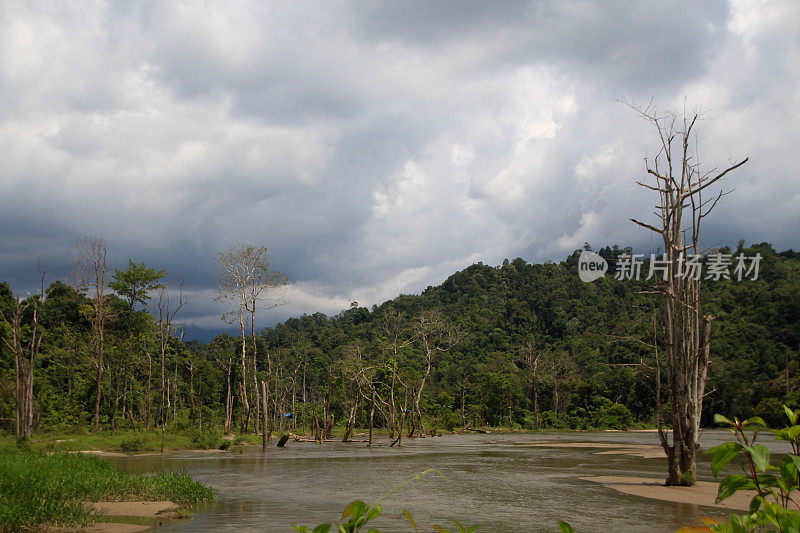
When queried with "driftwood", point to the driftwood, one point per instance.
{"points": [[283, 440]]}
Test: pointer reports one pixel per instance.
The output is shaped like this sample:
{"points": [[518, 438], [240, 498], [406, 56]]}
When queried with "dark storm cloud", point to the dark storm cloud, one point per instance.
{"points": [[375, 147]]}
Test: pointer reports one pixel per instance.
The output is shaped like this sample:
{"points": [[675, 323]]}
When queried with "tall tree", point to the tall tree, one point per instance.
{"points": [[675, 175], [249, 284], [167, 309], [434, 335], [25, 343], [91, 271], [134, 284]]}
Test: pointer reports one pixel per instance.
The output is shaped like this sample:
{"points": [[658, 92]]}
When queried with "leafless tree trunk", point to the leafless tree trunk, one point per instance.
{"points": [[166, 316], [92, 269], [371, 418], [433, 335], [531, 357], [680, 185], [249, 283], [25, 351], [149, 399], [265, 413]]}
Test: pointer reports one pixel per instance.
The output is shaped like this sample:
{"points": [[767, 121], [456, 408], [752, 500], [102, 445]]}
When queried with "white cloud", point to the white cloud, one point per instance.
{"points": [[376, 148]]}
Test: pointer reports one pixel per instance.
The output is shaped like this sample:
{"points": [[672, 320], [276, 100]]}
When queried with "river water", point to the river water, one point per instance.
{"points": [[497, 480]]}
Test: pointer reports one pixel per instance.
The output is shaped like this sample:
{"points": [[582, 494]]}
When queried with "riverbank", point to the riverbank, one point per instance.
{"points": [[129, 441], [703, 493], [70, 489]]}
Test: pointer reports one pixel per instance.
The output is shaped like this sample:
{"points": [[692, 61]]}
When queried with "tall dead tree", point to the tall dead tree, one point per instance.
{"points": [[26, 339], [249, 284], [434, 336], [91, 272], [167, 310], [531, 357], [675, 175]]}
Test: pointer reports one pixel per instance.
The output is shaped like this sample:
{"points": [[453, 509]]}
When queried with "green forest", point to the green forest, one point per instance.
{"points": [[518, 345]]}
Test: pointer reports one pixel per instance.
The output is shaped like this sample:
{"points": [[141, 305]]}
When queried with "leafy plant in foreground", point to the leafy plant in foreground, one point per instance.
{"points": [[773, 505]]}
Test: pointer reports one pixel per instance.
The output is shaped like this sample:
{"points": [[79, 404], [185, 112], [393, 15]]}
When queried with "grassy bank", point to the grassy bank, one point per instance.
{"points": [[133, 440], [37, 489]]}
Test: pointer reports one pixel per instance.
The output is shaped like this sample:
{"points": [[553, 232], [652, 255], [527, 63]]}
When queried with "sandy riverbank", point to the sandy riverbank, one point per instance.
{"points": [[108, 453], [155, 510], [646, 451], [703, 493]]}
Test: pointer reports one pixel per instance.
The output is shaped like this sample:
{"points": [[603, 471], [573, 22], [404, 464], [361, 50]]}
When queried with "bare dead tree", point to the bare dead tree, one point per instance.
{"points": [[675, 175], [531, 356], [396, 336], [24, 344], [91, 272], [167, 309], [249, 284], [434, 336]]}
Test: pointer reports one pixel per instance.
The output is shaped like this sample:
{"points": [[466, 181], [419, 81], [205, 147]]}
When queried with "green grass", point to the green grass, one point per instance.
{"points": [[37, 489]]}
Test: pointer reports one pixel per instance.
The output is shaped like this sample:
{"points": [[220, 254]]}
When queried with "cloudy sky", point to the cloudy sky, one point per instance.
{"points": [[377, 147]]}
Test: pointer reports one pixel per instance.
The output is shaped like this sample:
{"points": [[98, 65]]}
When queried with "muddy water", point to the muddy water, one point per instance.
{"points": [[499, 481]]}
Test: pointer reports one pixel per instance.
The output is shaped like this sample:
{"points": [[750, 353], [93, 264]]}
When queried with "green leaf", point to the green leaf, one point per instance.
{"points": [[756, 421], [374, 512], [731, 484], [440, 529], [410, 519], [349, 509], [322, 528], [565, 528], [719, 419], [793, 432], [760, 455], [795, 460], [789, 472], [355, 509], [723, 455], [791, 414]]}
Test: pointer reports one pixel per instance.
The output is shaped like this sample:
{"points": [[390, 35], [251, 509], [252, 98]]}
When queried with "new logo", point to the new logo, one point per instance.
{"points": [[591, 266]]}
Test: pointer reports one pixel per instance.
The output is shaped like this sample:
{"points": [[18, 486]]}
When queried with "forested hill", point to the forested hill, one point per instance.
{"points": [[528, 345], [589, 342]]}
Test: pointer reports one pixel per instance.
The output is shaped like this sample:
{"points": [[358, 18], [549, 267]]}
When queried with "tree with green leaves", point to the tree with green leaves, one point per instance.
{"points": [[136, 282], [134, 285]]}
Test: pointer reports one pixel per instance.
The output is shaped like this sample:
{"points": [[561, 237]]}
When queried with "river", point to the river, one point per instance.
{"points": [[497, 480]]}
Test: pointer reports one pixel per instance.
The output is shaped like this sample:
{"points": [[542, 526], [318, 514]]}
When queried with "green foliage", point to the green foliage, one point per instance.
{"points": [[38, 489], [248, 439], [136, 281], [208, 439], [133, 443], [773, 504], [587, 343], [565, 527]]}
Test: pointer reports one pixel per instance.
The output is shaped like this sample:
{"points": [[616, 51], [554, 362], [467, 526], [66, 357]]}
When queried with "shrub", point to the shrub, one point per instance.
{"points": [[208, 439], [133, 443]]}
